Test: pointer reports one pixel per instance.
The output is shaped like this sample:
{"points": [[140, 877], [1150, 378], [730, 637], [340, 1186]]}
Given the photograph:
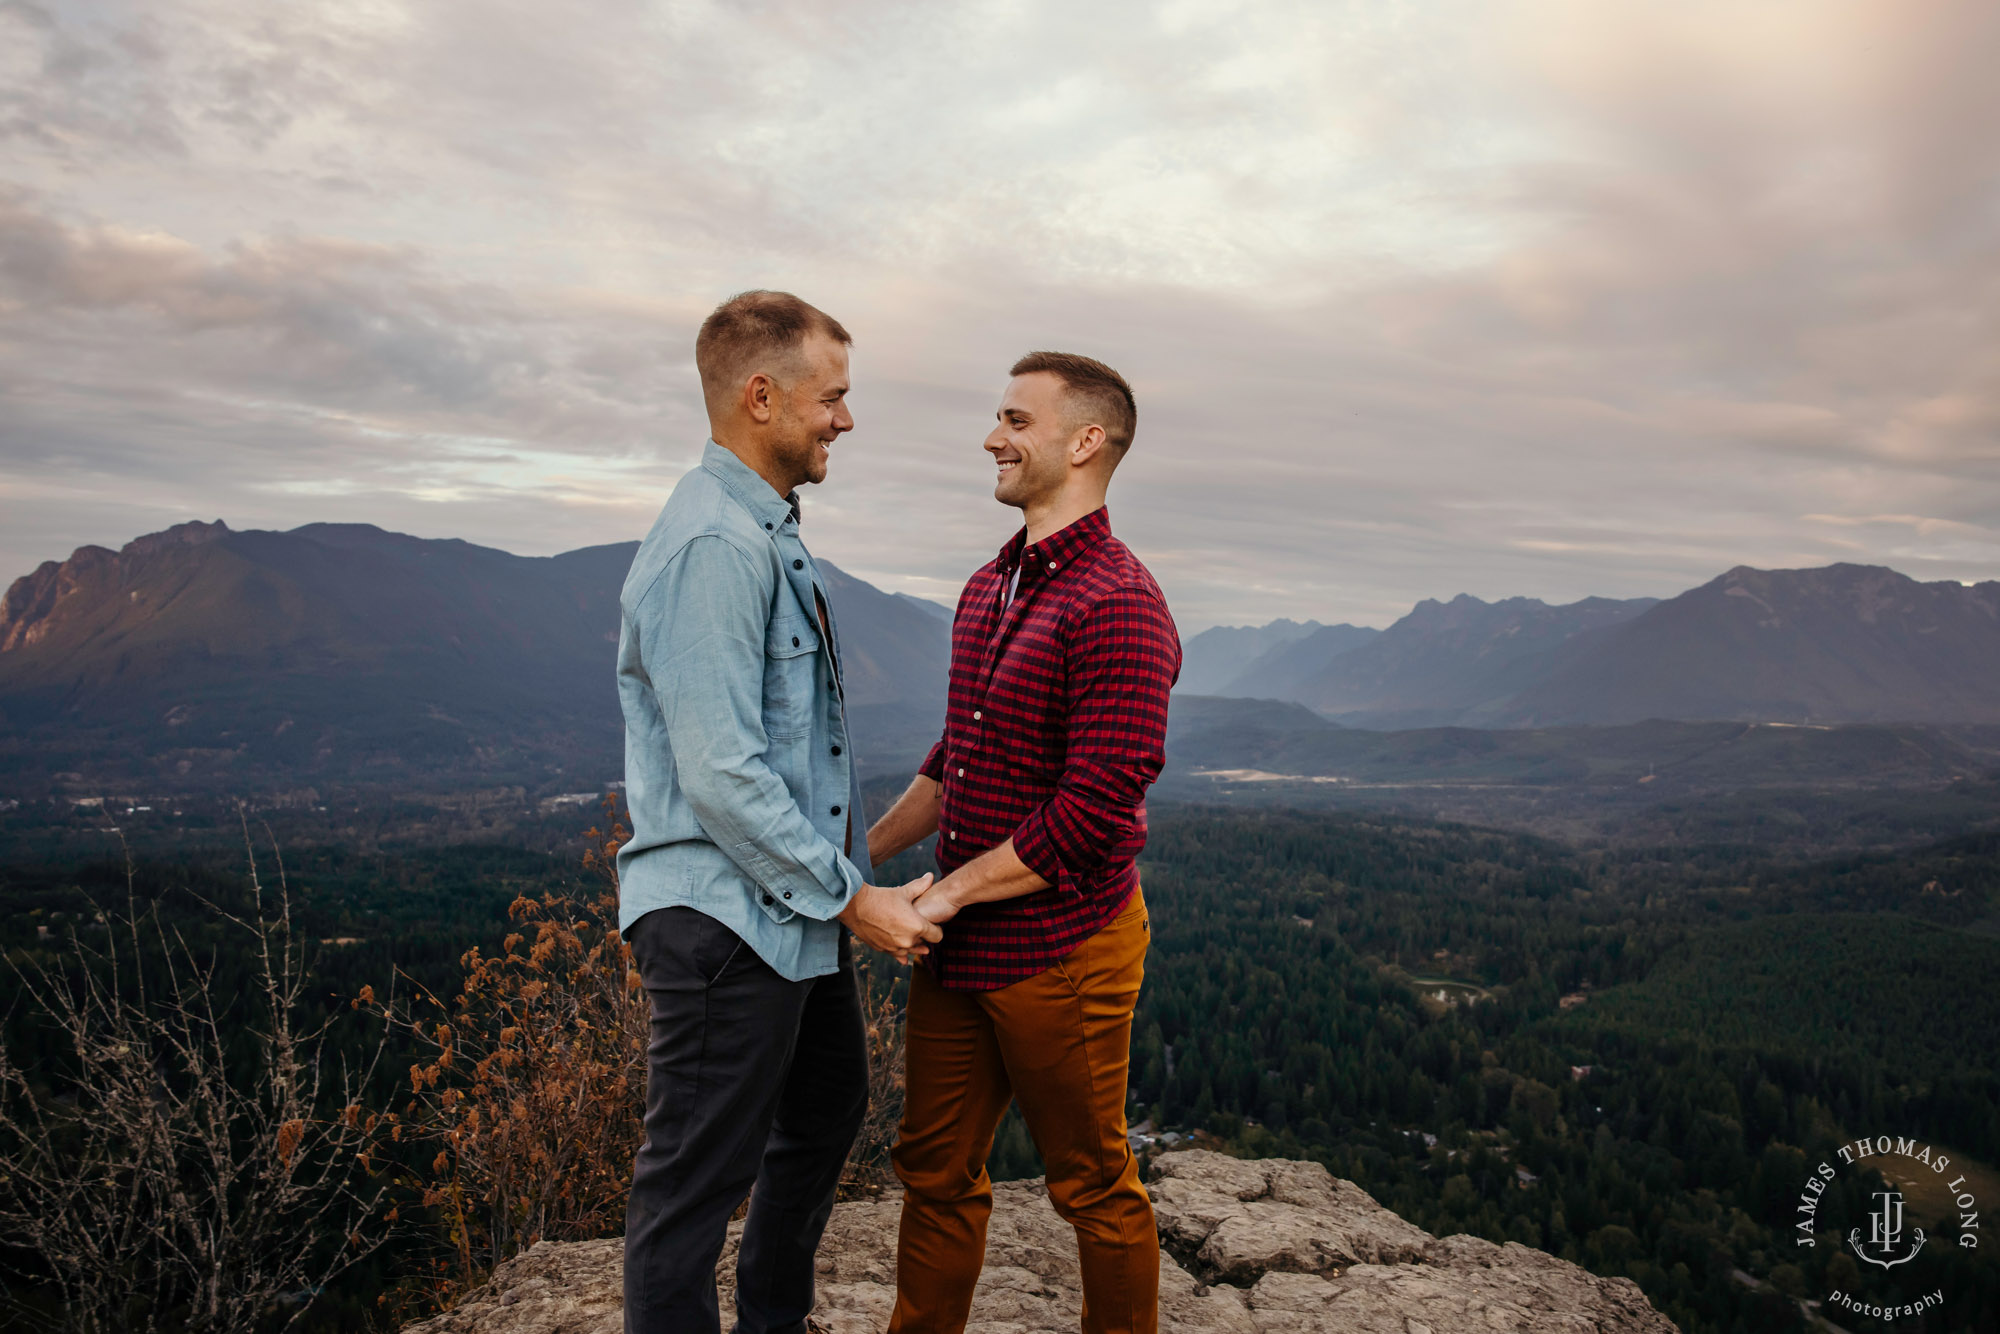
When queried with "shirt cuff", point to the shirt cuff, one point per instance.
{"points": [[933, 765], [784, 896], [1038, 852]]}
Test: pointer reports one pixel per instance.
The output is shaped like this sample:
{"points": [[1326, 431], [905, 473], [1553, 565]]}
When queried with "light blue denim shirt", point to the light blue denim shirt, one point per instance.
{"points": [[738, 771]]}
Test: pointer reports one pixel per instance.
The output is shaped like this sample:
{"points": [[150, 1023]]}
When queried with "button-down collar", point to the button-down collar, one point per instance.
{"points": [[1059, 550], [765, 505]]}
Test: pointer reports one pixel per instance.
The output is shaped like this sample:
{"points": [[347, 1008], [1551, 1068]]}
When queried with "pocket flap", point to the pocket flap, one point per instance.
{"points": [[791, 636]]}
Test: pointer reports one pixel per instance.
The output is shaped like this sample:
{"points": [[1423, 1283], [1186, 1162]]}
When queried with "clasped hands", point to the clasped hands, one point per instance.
{"points": [[901, 920]]}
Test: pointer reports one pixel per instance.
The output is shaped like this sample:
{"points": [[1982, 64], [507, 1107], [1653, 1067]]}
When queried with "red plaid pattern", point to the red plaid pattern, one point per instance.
{"points": [[1055, 727]]}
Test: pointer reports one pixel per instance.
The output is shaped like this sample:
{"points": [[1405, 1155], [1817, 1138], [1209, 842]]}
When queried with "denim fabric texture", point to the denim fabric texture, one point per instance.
{"points": [[738, 770]]}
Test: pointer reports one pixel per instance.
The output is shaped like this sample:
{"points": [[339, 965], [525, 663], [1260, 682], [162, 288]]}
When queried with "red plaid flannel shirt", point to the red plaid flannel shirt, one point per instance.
{"points": [[1055, 727]]}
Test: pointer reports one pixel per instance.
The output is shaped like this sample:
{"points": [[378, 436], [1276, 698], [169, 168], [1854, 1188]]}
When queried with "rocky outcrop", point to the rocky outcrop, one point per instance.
{"points": [[1268, 1247], [33, 604]]}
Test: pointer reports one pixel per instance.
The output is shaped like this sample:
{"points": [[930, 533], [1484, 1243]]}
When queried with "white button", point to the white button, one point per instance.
{"points": [[954, 836], [977, 715], [961, 773], [1052, 567]]}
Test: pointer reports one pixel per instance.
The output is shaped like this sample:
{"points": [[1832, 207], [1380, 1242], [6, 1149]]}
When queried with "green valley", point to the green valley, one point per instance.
{"points": [[1637, 1056]]}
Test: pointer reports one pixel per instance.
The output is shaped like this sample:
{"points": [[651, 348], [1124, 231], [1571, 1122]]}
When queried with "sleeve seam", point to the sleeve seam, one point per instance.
{"points": [[680, 552]]}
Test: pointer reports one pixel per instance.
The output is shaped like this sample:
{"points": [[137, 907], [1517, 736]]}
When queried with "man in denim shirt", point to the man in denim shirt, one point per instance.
{"points": [[737, 880]]}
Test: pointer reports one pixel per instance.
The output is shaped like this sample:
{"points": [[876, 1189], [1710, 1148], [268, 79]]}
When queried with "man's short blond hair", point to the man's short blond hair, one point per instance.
{"points": [[756, 331], [1096, 394]]}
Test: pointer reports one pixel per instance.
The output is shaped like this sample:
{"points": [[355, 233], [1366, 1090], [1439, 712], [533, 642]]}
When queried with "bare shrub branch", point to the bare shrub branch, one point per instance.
{"points": [[197, 1164], [868, 1170], [529, 1106], [533, 1092]]}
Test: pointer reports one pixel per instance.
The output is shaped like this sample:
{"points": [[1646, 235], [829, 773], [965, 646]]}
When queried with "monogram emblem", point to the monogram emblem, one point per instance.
{"points": [[1885, 1233]]}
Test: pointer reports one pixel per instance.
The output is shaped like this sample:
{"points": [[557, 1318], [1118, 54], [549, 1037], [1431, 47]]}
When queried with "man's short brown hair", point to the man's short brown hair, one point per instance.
{"points": [[1098, 395], [755, 331]]}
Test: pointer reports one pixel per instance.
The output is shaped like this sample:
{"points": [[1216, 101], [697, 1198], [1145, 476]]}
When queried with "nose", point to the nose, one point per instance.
{"points": [[995, 440], [843, 420]]}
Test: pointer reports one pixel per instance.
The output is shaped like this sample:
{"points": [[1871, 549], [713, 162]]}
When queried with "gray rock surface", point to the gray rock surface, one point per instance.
{"points": [[1268, 1247]]}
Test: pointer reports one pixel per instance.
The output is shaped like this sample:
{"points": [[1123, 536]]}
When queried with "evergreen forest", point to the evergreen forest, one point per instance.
{"points": [[1630, 1057]]}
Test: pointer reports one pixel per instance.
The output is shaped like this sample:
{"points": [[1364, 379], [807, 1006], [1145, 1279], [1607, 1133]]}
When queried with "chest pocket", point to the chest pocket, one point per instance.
{"points": [[791, 658]]}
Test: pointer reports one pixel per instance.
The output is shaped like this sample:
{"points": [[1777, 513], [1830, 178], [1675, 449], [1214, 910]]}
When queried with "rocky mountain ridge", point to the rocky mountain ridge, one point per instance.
{"points": [[1838, 644], [1454, 663], [205, 658], [1843, 643], [1211, 660], [343, 652], [1248, 1247]]}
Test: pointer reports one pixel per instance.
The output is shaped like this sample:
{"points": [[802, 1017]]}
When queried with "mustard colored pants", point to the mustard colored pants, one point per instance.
{"points": [[1060, 1044]]}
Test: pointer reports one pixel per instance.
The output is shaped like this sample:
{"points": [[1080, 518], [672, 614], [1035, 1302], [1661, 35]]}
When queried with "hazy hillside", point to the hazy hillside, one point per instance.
{"points": [[1453, 662], [1847, 643], [1842, 644], [1768, 785], [1217, 656], [1265, 740], [896, 649], [897, 658], [1280, 672], [343, 651]]}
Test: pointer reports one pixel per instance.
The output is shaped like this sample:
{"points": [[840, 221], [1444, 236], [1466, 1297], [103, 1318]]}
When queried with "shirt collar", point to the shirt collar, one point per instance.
{"points": [[1059, 549], [751, 491]]}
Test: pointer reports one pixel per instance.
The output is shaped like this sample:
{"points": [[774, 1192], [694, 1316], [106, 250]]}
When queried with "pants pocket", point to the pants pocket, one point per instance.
{"points": [[715, 948], [1132, 920]]}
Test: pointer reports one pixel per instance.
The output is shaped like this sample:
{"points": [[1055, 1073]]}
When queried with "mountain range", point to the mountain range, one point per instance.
{"points": [[1841, 644], [341, 652], [1213, 659]]}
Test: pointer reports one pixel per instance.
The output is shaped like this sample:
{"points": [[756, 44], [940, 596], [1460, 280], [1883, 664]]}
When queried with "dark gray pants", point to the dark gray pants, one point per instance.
{"points": [[751, 1081]]}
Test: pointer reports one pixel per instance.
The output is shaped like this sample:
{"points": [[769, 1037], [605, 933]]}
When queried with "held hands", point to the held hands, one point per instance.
{"points": [[938, 904], [885, 917]]}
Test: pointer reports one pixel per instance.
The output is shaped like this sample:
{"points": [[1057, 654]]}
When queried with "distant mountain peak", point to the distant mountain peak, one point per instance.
{"points": [[1214, 659], [1835, 643], [1283, 626], [190, 534], [1838, 574], [205, 654], [31, 605]]}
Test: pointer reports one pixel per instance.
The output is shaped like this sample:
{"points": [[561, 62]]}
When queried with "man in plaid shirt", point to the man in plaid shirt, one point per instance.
{"points": [[1063, 654]]}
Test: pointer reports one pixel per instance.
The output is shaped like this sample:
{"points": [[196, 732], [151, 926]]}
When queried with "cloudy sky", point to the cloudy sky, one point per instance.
{"points": [[1420, 297]]}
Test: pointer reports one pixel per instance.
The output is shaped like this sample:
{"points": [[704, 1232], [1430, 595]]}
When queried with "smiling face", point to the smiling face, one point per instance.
{"points": [[1030, 441], [809, 410]]}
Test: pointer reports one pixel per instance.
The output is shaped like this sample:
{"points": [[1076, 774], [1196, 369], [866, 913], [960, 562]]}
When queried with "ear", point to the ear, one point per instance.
{"points": [[759, 395], [1086, 446]]}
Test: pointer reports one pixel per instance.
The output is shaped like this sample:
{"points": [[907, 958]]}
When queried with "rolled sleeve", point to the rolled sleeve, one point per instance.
{"points": [[933, 765], [707, 677], [1120, 670]]}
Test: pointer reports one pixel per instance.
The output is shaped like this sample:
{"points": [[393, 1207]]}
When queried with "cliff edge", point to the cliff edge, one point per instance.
{"points": [[1247, 1247]]}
